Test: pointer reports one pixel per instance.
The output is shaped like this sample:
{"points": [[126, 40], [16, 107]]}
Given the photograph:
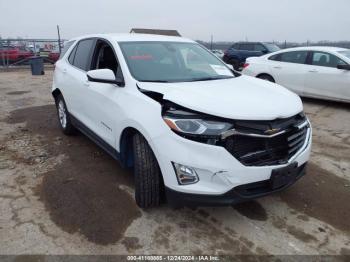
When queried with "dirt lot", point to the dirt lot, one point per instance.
{"points": [[64, 195]]}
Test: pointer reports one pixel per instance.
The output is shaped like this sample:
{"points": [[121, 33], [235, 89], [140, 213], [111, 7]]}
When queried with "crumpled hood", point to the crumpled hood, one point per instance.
{"points": [[243, 97]]}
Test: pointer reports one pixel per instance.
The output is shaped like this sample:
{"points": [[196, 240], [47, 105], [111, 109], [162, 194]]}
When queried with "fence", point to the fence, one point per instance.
{"points": [[16, 52]]}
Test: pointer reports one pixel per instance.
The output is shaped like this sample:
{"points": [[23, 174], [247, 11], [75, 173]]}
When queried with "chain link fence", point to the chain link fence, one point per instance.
{"points": [[18, 52]]}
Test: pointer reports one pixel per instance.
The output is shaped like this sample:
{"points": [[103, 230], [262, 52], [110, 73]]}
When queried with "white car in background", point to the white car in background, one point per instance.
{"points": [[318, 72]]}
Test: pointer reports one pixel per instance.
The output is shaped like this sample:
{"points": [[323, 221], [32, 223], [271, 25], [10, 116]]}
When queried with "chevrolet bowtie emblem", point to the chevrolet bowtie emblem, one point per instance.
{"points": [[272, 131]]}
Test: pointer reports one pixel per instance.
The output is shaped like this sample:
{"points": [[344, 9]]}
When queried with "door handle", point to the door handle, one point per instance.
{"points": [[277, 67], [64, 71], [313, 71]]}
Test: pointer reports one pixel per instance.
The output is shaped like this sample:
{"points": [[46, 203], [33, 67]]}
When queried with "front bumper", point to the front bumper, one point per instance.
{"points": [[221, 175], [236, 195]]}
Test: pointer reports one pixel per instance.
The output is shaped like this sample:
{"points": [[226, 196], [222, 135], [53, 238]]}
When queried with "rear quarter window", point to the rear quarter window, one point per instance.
{"points": [[275, 57], [71, 55]]}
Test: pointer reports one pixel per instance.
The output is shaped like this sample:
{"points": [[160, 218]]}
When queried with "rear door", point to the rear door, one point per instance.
{"points": [[76, 79], [289, 68], [324, 79]]}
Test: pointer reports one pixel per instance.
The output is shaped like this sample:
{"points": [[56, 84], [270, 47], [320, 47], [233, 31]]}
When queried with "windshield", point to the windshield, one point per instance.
{"points": [[172, 62], [345, 53], [272, 47]]}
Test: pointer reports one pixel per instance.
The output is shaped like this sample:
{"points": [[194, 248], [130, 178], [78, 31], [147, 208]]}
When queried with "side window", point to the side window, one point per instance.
{"points": [[65, 48], [235, 46], [325, 59], [297, 57], [246, 47], [104, 58], [82, 54], [276, 57], [259, 47]]}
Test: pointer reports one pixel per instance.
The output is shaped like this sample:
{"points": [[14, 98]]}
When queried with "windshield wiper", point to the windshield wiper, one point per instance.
{"points": [[209, 78]]}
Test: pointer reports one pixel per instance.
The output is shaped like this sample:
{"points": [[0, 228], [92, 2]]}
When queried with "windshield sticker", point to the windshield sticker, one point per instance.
{"points": [[221, 70], [141, 57]]}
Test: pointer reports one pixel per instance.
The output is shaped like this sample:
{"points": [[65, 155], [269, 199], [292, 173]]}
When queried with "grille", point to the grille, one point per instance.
{"points": [[265, 151]]}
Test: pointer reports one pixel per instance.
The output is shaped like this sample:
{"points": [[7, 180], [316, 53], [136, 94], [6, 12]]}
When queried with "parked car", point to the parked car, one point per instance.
{"points": [[319, 72], [14, 54], [193, 132], [53, 56], [237, 54]]}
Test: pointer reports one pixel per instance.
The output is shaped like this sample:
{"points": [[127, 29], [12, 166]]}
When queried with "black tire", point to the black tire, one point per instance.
{"points": [[148, 186], [266, 77], [64, 120]]}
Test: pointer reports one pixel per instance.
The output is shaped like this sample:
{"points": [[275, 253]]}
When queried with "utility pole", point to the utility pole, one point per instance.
{"points": [[59, 38], [211, 42]]}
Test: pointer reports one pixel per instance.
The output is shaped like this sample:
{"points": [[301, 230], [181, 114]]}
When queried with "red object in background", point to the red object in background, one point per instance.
{"points": [[245, 65], [141, 57], [14, 54], [54, 56]]}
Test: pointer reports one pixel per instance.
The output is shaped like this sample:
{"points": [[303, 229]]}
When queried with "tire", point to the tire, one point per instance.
{"points": [[148, 183], [64, 118], [266, 77]]}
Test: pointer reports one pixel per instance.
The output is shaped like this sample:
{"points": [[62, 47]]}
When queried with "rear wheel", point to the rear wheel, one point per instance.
{"points": [[147, 173], [64, 117], [266, 77]]}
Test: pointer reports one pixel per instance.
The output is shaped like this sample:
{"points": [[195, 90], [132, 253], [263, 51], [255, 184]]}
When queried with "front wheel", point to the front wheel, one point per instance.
{"points": [[147, 174]]}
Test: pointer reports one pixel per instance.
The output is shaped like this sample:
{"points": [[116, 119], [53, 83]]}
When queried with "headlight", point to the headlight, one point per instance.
{"points": [[197, 126]]}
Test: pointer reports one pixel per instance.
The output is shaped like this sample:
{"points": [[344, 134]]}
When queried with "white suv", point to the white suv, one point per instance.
{"points": [[193, 132]]}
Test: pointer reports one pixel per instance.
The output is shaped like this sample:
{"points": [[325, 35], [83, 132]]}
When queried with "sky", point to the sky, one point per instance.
{"points": [[226, 20]]}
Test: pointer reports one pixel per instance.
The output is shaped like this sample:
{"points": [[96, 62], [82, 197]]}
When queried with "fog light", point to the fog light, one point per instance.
{"points": [[185, 174]]}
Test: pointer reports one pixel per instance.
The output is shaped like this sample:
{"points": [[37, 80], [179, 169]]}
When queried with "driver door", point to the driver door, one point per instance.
{"points": [[103, 98]]}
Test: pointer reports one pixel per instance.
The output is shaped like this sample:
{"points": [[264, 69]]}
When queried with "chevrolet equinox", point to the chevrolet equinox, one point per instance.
{"points": [[193, 131]]}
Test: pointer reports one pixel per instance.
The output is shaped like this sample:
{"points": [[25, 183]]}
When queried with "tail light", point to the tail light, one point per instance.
{"points": [[245, 65]]}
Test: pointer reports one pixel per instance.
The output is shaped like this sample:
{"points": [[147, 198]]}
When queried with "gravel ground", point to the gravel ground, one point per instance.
{"points": [[64, 195]]}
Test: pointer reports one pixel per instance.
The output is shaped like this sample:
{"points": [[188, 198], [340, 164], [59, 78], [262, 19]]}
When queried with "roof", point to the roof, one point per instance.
{"points": [[136, 37], [316, 48], [155, 31]]}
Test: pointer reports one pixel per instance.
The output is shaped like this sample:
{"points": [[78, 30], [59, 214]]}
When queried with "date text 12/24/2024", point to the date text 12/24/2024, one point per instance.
{"points": [[173, 258]]}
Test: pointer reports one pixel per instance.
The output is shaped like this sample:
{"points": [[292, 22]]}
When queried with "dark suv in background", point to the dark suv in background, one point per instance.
{"points": [[239, 52]]}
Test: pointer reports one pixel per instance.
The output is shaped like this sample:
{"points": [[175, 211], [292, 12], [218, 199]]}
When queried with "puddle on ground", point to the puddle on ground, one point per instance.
{"points": [[322, 195], [82, 193], [252, 210]]}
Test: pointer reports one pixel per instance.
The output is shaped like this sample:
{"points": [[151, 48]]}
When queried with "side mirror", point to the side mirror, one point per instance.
{"points": [[343, 67], [265, 51], [104, 76]]}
